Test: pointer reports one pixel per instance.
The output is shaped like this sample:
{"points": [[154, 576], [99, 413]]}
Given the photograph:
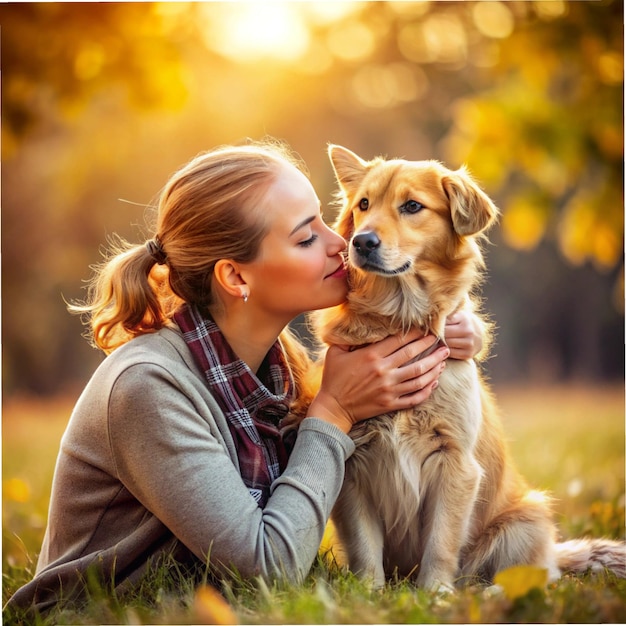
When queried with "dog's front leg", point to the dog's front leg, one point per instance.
{"points": [[361, 535], [451, 480]]}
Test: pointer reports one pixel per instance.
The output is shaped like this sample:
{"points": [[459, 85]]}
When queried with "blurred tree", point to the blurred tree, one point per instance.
{"points": [[102, 101], [547, 135], [58, 56]]}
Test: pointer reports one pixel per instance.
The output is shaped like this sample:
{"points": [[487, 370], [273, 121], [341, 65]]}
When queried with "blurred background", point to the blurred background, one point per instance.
{"points": [[102, 102]]}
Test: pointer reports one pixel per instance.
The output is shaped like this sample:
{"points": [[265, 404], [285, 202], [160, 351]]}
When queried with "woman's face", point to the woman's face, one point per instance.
{"points": [[299, 266]]}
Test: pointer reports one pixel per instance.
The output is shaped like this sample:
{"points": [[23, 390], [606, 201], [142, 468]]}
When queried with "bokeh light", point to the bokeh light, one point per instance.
{"points": [[105, 100], [250, 31]]}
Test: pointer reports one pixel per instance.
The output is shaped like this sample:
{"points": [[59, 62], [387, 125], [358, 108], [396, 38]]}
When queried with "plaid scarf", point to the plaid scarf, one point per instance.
{"points": [[253, 404]]}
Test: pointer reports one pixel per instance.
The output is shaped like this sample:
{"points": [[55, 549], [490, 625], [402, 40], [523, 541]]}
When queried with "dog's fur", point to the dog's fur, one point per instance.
{"points": [[431, 492]]}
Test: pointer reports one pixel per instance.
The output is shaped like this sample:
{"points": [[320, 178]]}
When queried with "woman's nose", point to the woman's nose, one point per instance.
{"points": [[336, 243]]}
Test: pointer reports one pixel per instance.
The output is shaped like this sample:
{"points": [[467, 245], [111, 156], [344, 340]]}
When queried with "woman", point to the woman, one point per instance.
{"points": [[174, 447]]}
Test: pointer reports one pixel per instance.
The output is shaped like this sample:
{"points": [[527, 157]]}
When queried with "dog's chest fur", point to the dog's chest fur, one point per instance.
{"points": [[393, 453]]}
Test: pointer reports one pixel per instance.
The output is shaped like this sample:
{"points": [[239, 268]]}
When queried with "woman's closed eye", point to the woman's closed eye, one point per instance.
{"points": [[308, 242]]}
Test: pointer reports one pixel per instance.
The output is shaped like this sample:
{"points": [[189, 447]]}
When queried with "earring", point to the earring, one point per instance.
{"points": [[244, 295]]}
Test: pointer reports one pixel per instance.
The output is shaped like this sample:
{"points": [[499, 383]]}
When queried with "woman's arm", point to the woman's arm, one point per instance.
{"points": [[171, 457]]}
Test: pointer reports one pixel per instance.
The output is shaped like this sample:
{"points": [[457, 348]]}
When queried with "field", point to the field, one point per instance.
{"points": [[568, 440]]}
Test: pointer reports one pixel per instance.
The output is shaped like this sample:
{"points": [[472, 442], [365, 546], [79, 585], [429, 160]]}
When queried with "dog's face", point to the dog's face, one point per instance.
{"points": [[403, 217]]}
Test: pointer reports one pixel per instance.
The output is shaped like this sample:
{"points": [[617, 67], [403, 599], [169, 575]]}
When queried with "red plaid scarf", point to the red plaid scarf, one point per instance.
{"points": [[253, 404]]}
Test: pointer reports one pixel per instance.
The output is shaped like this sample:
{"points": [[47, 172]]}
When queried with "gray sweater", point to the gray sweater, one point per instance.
{"points": [[147, 466]]}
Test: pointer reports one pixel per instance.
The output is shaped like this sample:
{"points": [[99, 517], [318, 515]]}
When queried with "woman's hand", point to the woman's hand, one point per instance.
{"points": [[381, 377], [463, 334]]}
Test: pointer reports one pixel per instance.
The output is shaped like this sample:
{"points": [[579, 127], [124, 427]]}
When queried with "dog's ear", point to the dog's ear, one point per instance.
{"points": [[471, 208], [349, 168]]}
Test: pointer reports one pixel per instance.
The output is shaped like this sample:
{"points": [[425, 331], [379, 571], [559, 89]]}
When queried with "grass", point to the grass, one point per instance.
{"points": [[568, 440]]}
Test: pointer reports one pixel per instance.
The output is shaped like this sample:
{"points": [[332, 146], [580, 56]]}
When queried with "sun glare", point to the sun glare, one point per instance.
{"points": [[280, 29], [248, 31]]}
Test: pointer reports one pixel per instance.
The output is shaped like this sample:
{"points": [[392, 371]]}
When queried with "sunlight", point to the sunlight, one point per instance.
{"points": [[324, 13], [536, 497], [248, 31]]}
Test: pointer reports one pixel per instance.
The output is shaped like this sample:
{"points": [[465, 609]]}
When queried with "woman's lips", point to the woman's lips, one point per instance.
{"points": [[340, 272]]}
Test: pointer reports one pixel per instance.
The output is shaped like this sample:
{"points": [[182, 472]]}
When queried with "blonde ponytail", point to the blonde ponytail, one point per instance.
{"points": [[127, 297]]}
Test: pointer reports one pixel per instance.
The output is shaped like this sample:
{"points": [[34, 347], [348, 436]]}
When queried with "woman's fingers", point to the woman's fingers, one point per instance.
{"points": [[415, 369], [378, 378], [411, 400], [403, 348], [425, 368], [464, 335], [398, 361], [425, 375]]}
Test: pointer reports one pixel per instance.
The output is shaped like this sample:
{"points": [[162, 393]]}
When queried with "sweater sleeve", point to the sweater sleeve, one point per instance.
{"points": [[170, 455]]}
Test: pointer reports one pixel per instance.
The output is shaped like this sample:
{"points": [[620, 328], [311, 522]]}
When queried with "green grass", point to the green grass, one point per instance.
{"points": [[569, 441]]}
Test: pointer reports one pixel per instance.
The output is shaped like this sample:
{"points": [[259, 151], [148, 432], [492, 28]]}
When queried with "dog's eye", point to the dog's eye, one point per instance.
{"points": [[364, 204], [411, 206]]}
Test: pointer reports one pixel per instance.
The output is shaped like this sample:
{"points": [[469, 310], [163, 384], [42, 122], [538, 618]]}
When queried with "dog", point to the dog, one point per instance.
{"points": [[431, 493]]}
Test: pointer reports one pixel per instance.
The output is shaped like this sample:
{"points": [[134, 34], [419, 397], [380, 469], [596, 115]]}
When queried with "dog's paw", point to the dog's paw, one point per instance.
{"points": [[440, 588], [443, 589], [493, 591]]}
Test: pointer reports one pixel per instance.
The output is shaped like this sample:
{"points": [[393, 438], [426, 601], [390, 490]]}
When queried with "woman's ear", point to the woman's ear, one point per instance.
{"points": [[228, 277]]}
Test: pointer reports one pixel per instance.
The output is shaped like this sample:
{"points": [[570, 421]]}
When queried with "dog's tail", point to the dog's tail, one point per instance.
{"points": [[597, 555]]}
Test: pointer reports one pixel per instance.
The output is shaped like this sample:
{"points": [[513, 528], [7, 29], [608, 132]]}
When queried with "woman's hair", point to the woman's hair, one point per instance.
{"points": [[206, 212]]}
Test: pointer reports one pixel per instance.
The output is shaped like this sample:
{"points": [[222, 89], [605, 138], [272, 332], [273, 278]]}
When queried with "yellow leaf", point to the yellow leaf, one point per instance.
{"points": [[474, 611], [519, 580], [16, 489], [210, 607], [331, 549], [329, 540]]}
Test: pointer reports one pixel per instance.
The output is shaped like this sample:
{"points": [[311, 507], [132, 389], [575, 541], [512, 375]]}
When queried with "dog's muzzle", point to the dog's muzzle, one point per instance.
{"points": [[366, 254], [366, 243]]}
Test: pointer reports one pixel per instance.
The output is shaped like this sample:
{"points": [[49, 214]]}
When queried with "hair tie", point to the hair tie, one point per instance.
{"points": [[155, 248]]}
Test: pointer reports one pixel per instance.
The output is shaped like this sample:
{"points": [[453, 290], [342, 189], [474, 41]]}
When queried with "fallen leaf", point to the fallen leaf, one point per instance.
{"points": [[517, 581], [210, 607]]}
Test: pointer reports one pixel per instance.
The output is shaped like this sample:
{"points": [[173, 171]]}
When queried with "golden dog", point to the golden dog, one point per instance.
{"points": [[431, 491]]}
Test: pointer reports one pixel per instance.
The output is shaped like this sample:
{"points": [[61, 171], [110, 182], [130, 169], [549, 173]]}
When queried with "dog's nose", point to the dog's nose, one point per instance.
{"points": [[365, 243]]}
